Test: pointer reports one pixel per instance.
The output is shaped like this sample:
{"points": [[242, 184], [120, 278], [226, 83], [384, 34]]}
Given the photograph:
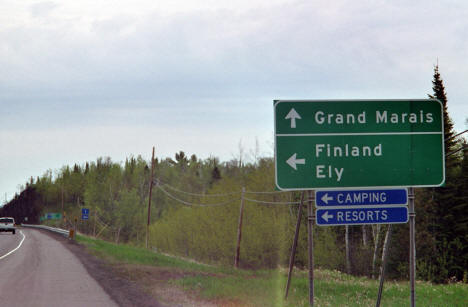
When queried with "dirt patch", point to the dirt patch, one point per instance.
{"points": [[156, 281]]}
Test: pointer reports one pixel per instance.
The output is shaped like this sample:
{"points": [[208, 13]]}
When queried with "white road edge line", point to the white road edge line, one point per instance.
{"points": [[14, 250]]}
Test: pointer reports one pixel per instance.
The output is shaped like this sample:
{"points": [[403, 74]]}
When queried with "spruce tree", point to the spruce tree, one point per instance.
{"points": [[460, 227], [449, 133], [444, 217]]}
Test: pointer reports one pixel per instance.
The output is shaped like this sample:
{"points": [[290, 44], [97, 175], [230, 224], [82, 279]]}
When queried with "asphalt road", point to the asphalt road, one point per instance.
{"points": [[42, 272]]}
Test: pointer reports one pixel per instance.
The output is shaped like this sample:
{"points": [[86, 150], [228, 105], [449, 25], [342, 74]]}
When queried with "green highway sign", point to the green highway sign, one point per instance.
{"points": [[358, 143], [53, 216]]}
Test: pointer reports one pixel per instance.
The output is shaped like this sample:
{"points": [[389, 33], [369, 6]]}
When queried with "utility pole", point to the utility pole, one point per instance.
{"points": [[239, 230], [294, 246], [149, 199]]}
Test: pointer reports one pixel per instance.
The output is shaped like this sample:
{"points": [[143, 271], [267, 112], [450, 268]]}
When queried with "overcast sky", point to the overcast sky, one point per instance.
{"points": [[90, 78]]}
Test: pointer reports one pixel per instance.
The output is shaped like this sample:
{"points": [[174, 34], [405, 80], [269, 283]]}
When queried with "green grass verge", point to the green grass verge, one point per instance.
{"points": [[266, 288]]}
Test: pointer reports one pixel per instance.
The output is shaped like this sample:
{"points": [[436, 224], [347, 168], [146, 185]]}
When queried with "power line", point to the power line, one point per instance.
{"points": [[265, 192], [197, 194], [193, 204], [273, 202], [165, 185]]}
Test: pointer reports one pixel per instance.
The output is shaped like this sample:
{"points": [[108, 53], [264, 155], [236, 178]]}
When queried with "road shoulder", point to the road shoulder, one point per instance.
{"points": [[122, 290]]}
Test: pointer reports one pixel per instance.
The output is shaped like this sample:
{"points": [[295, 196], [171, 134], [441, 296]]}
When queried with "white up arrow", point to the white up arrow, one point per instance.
{"points": [[327, 216], [325, 198], [293, 115], [292, 161]]}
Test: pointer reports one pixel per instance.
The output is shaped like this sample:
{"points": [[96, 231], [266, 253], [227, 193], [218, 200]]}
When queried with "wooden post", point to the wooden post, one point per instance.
{"points": [[293, 250], [74, 232], [310, 219], [149, 199], [62, 203], [239, 230]]}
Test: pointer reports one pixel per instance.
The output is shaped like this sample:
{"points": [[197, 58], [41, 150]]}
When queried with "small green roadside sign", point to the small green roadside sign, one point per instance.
{"points": [[53, 216], [358, 143]]}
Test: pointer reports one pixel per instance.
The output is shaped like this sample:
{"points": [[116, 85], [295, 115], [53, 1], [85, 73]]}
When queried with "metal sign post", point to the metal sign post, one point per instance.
{"points": [[310, 220], [412, 260]]}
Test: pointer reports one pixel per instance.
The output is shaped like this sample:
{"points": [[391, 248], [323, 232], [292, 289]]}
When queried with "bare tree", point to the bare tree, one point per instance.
{"points": [[376, 237], [348, 260], [364, 235]]}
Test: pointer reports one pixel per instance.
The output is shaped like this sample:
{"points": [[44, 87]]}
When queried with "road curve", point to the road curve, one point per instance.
{"points": [[9, 242], [42, 272]]}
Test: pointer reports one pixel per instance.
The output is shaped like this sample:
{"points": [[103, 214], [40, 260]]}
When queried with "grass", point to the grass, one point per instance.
{"points": [[122, 253], [266, 288]]}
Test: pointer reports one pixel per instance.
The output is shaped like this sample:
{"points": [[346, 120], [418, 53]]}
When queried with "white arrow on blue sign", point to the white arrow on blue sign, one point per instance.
{"points": [[361, 216], [350, 198], [84, 213]]}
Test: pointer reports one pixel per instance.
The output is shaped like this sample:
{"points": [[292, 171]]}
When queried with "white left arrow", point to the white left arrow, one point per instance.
{"points": [[327, 216], [293, 161], [325, 198], [293, 115]]}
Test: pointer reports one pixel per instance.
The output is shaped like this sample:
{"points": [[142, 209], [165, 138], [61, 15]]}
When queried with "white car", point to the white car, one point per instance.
{"points": [[7, 224]]}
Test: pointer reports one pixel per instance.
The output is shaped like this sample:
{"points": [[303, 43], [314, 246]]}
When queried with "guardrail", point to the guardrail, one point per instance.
{"points": [[53, 229]]}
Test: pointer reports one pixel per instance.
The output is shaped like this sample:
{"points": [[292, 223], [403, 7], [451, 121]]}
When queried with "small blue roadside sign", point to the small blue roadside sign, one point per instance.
{"points": [[84, 213], [361, 216], [350, 198]]}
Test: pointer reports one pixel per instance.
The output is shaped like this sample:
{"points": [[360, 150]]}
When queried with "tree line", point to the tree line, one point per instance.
{"points": [[195, 212]]}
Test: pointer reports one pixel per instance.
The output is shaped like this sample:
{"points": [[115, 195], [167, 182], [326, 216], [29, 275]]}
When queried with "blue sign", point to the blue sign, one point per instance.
{"points": [[85, 214], [361, 216], [345, 198]]}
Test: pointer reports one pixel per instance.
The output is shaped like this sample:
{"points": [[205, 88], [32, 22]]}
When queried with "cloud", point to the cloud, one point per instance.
{"points": [[285, 46], [42, 9], [289, 50], [211, 68]]}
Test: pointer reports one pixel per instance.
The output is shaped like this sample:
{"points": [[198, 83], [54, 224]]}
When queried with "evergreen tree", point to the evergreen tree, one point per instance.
{"points": [[442, 213], [461, 227], [449, 133]]}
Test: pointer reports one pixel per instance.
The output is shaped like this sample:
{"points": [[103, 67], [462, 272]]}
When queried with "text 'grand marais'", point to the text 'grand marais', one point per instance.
{"points": [[380, 117]]}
